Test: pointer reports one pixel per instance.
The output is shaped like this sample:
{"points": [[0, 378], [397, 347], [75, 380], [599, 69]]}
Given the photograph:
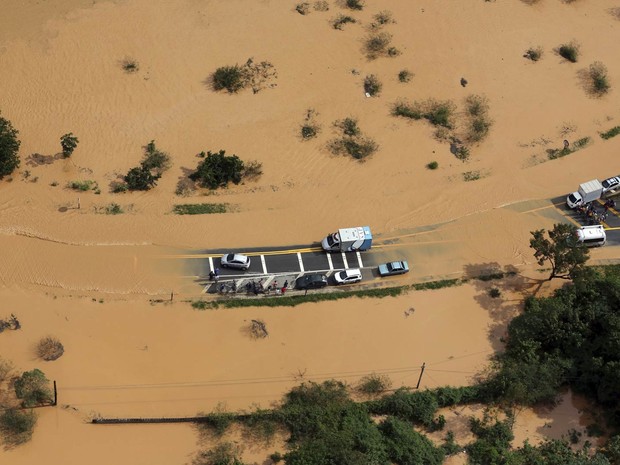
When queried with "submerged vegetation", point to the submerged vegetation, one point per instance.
{"points": [[217, 170], [351, 141], [200, 208], [256, 75]]}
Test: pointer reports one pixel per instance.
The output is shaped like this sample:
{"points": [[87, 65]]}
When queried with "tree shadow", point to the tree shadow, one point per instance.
{"points": [[501, 291], [38, 159], [185, 186]]}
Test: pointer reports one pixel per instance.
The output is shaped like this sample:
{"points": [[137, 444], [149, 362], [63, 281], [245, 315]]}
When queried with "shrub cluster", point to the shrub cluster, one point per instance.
{"points": [[374, 384], [405, 75], [378, 44], [145, 177], [310, 128], [478, 121], [339, 21], [352, 142], [68, 143], [372, 85], [17, 426], [438, 113], [569, 51], [256, 75], [33, 388], [598, 80], [354, 4], [613, 132], [533, 53], [218, 170]]}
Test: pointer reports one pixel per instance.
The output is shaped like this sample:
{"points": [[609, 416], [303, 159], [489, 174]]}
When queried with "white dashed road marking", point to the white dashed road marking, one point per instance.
{"points": [[301, 262]]}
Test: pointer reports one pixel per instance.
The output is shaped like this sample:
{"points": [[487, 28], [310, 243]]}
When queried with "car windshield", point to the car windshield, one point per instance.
{"points": [[607, 183], [230, 257], [572, 198]]}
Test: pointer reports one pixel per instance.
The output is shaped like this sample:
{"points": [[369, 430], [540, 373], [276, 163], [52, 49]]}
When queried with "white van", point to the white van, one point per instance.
{"points": [[591, 236]]}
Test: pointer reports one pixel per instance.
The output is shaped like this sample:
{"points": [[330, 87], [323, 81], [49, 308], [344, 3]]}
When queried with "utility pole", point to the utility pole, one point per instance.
{"points": [[421, 373], [55, 394]]}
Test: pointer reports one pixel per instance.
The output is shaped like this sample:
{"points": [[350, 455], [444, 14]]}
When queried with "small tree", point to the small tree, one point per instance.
{"points": [[33, 388], [152, 166], [560, 250], [231, 78], [9, 146], [218, 169], [140, 179], [68, 142], [16, 426]]}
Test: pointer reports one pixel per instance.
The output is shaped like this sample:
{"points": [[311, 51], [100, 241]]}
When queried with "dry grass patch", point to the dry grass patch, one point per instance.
{"points": [[49, 348]]}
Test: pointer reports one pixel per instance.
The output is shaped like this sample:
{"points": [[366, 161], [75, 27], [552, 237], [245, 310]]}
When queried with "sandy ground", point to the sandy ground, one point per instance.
{"points": [[86, 277]]}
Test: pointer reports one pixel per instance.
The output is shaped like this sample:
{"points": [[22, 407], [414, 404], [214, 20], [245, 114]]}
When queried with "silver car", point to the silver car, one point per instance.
{"points": [[611, 184], [236, 260]]}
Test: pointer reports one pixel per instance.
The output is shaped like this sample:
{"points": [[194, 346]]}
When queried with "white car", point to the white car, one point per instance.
{"points": [[348, 276], [611, 184], [236, 260]]}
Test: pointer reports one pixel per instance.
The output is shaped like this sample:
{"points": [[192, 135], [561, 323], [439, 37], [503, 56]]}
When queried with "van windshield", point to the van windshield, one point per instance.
{"points": [[333, 239]]}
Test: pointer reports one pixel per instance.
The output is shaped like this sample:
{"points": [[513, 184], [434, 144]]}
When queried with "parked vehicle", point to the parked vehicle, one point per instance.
{"points": [[611, 184], [311, 281], [236, 260], [591, 236], [348, 240], [587, 192], [353, 275], [393, 268]]}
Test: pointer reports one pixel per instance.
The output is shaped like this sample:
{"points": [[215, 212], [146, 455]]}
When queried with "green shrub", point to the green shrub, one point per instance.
{"points": [[372, 85], [130, 65], [533, 53], [50, 348], [349, 127], [341, 20], [252, 169], [226, 453], [432, 165], [462, 153], [218, 170], [276, 457], [476, 105], [113, 209], [140, 179], [355, 4], [9, 148], [82, 186], [310, 128], [200, 208], [17, 426], [216, 422], [405, 75], [438, 113], [382, 18], [33, 388], [406, 446], [471, 175], [154, 159], [599, 83], [231, 78], [613, 132], [376, 45], [494, 293], [569, 51], [68, 143], [414, 406], [357, 147], [374, 384]]}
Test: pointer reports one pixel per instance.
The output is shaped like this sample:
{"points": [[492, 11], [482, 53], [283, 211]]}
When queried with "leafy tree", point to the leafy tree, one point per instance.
{"points": [[413, 406], [152, 166], [140, 179], [68, 142], [16, 426], [33, 388], [218, 169], [560, 250], [9, 146], [612, 449]]}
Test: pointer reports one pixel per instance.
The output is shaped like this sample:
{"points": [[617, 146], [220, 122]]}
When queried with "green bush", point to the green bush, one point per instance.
{"points": [[355, 4], [406, 446], [533, 53], [130, 65], [414, 406], [374, 384], [438, 113], [68, 143], [359, 148], [341, 20], [253, 169], [140, 179], [310, 128], [232, 78], [376, 45], [216, 422], [113, 209], [82, 186], [226, 453], [494, 293], [382, 18], [9, 148], [569, 51], [372, 85], [218, 170], [33, 388], [405, 75], [200, 208], [154, 159], [17, 426], [349, 127], [613, 132], [432, 165], [599, 83]]}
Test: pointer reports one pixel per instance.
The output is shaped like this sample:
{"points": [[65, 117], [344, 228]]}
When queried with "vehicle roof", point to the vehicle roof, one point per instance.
{"points": [[591, 231], [238, 256], [352, 272]]}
